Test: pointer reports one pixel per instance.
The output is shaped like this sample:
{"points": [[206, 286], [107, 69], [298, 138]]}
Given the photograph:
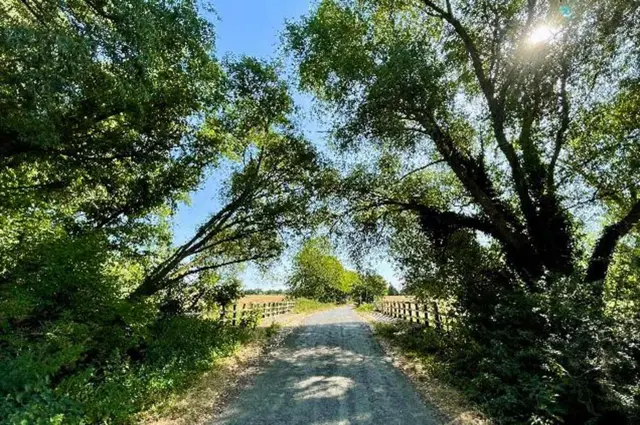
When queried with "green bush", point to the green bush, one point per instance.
{"points": [[75, 350], [365, 308], [518, 377], [174, 351]]}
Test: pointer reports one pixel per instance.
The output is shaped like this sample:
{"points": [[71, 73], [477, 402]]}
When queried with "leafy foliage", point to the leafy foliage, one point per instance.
{"points": [[113, 111], [502, 144], [319, 275], [100, 116], [368, 288]]}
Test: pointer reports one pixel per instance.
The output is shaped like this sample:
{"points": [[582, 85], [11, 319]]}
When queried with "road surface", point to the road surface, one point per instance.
{"points": [[330, 371]]}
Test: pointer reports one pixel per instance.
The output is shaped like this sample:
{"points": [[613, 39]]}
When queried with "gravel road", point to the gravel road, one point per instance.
{"points": [[330, 371]]}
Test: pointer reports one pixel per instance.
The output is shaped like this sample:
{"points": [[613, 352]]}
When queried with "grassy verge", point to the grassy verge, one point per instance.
{"points": [[416, 352], [305, 305], [206, 394], [155, 365], [364, 308]]}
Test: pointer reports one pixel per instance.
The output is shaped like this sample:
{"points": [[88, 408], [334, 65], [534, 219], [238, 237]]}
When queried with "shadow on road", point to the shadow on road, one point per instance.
{"points": [[329, 371]]}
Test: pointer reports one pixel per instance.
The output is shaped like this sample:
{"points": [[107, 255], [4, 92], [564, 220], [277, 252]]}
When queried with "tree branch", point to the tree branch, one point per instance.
{"points": [[436, 219], [562, 131], [603, 251], [421, 168], [217, 266], [496, 109], [158, 278]]}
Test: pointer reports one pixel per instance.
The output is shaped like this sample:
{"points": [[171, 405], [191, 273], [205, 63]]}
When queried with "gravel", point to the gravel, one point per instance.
{"points": [[329, 371]]}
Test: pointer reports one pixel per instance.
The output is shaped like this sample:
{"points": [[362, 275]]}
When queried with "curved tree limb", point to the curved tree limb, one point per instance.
{"points": [[603, 251]]}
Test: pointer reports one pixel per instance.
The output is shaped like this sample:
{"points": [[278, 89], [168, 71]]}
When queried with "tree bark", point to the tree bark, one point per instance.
{"points": [[603, 251]]}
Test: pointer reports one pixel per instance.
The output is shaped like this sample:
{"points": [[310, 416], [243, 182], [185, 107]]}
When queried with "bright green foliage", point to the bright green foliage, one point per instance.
{"points": [[501, 170], [368, 288], [100, 103], [112, 112], [98, 141], [319, 275]]}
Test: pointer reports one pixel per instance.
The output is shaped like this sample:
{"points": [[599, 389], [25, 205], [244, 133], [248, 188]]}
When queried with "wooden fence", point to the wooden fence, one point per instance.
{"points": [[428, 314], [234, 313]]}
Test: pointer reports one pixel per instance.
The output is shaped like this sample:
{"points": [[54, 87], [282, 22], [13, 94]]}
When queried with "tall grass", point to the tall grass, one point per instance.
{"points": [[305, 305], [365, 308]]}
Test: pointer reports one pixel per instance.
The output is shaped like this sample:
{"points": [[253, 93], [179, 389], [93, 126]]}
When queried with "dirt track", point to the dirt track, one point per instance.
{"points": [[330, 371]]}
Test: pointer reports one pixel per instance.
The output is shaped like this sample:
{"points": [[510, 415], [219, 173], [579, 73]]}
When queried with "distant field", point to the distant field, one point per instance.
{"points": [[397, 298], [261, 299]]}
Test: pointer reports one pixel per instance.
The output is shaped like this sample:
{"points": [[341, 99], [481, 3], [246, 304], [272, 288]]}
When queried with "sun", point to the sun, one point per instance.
{"points": [[541, 34]]}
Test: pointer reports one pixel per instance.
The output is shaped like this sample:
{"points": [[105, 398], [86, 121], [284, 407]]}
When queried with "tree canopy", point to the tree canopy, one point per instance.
{"points": [[319, 274], [503, 154], [496, 112], [491, 147], [113, 111]]}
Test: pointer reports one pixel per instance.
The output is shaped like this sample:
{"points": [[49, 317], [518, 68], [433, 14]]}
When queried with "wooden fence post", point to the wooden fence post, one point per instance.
{"points": [[436, 316]]}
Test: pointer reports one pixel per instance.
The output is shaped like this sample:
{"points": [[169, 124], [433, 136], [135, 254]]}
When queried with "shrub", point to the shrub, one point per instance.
{"points": [[305, 305], [365, 308]]}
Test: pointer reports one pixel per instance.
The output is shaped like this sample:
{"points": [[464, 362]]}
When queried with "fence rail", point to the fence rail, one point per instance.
{"points": [[428, 314], [234, 313]]}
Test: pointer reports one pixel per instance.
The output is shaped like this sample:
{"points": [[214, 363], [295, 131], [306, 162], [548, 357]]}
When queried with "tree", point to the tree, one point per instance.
{"points": [[102, 103], [499, 130], [455, 81], [258, 291], [275, 187], [100, 121], [319, 275], [113, 111], [369, 287]]}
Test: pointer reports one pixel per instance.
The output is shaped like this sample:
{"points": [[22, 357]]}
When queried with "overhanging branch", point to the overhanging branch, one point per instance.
{"points": [[603, 251], [496, 109]]}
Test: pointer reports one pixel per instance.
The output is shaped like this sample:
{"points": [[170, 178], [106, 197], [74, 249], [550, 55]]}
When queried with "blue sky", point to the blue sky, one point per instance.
{"points": [[253, 27]]}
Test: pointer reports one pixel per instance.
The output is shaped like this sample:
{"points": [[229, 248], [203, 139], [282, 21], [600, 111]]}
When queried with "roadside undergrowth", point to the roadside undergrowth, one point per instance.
{"points": [[416, 358], [208, 395], [365, 308]]}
